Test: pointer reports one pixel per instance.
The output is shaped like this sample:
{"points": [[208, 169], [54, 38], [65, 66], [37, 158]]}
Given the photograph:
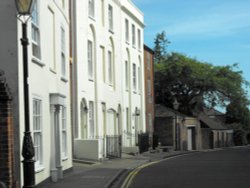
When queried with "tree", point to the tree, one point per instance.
{"points": [[237, 112], [195, 84], [160, 49]]}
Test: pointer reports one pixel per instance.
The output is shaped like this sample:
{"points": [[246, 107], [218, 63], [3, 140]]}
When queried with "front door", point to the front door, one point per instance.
{"points": [[189, 139], [191, 142]]}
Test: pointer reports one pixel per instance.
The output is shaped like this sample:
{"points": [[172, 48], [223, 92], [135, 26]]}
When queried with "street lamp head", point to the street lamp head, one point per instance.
{"points": [[137, 112], [24, 7], [176, 104]]}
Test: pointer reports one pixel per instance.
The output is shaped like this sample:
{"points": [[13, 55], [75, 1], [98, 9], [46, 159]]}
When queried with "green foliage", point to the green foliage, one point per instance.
{"points": [[237, 112], [196, 84]]}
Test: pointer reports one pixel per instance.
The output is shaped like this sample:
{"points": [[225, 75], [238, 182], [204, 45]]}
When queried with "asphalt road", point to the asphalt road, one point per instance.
{"points": [[229, 168]]}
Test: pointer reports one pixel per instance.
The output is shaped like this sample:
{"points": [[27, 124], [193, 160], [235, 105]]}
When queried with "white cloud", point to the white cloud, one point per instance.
{"points": [[218, 21]]}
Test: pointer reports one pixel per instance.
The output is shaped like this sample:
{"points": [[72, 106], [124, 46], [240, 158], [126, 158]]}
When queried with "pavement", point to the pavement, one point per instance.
{"points": [[108, 173]]}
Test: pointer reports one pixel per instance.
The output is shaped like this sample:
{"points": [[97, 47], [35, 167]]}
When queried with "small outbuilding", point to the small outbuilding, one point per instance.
{"points": [[180, 132]]}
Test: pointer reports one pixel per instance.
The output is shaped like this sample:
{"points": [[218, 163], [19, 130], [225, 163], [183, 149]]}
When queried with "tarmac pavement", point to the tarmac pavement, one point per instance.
{"points": [[108, 173]]}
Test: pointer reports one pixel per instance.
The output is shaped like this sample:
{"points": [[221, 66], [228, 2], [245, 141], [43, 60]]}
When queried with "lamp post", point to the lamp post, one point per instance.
{"points": [[176, 105], [24, 8]]}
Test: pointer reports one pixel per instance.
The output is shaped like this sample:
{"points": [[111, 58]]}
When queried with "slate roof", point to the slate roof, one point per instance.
{"points": [[163, 111], [212, 112], [215, 125]]}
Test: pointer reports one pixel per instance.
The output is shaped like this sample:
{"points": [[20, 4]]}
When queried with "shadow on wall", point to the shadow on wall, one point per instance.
{"points": [[248, 138], [184, 145], [241, 137], [2, 185]]}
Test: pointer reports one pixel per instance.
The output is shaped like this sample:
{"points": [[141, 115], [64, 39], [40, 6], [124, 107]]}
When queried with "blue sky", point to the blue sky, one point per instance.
{"points": [[213, 31]]}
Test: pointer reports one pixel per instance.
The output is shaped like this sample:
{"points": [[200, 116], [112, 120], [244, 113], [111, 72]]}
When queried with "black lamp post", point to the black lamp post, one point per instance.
{"points": [[24, 8], [176, 105]]}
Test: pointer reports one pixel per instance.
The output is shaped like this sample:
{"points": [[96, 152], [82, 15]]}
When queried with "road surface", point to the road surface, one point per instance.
{"points": [[227, 168]]}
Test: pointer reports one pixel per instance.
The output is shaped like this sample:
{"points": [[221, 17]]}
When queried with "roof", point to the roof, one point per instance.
{"points": [[163, 111], [148, 49], [210, 122], [212, 112]]}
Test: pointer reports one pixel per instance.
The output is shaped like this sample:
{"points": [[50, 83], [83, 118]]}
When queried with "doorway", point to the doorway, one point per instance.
{"points": [[84, 117], [191, 141]]}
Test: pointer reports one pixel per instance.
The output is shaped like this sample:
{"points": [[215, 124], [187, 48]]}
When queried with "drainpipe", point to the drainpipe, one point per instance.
{"points": [[130, 103], [74, 97], [96, 93]]}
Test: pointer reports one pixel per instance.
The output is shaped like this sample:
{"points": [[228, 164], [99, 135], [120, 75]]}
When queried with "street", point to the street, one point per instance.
{"points": [[229, 168]]}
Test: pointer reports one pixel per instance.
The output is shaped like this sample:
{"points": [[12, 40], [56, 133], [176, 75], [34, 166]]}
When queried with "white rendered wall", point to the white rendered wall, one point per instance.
{"points": [[43, 80], [98, 90]]}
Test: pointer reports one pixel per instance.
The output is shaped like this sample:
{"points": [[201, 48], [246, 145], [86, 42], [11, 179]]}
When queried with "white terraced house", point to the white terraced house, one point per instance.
{"points": [[49, 88], [107, 78], [49, 85]]}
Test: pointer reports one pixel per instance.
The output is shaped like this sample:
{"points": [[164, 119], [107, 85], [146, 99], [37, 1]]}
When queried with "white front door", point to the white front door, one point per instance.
{"points": [[189, 139]]}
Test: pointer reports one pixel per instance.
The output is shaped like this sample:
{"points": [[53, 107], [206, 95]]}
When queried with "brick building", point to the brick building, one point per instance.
{"points": [[182, 132], [6, 136], [149, 91], [9, 118]]}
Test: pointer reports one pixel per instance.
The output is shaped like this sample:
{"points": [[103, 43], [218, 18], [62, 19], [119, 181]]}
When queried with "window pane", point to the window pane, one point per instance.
{"points": [[90, 58], [134, 77], [35, 13], [35, 33], [110, 63], [127, 30], [37, 136], [64, 132], [103, 63], [133, 34], [126, 74], [91, 8], [110, 11], [139, 38]]}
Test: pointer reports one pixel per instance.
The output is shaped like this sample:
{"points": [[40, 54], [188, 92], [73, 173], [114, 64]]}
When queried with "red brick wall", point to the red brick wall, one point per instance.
{"points": [[149, 99], [6, 137]]}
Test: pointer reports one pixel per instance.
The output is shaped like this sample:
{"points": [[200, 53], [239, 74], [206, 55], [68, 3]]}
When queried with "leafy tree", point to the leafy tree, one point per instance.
{"points": [[195, 84], [160, 49], [237, 112]]}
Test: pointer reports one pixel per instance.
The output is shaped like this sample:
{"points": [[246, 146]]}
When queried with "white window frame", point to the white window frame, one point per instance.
{"points": [[139, 38], [139, 79], [133, 35], [127, 30], [110, 67], [134, 77], [127, 75], [63, 53], [102, 48], [103, 12], [38, 133], [35, 31], [64, 133], [92, 8], [110, 16], [90, 48]]}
